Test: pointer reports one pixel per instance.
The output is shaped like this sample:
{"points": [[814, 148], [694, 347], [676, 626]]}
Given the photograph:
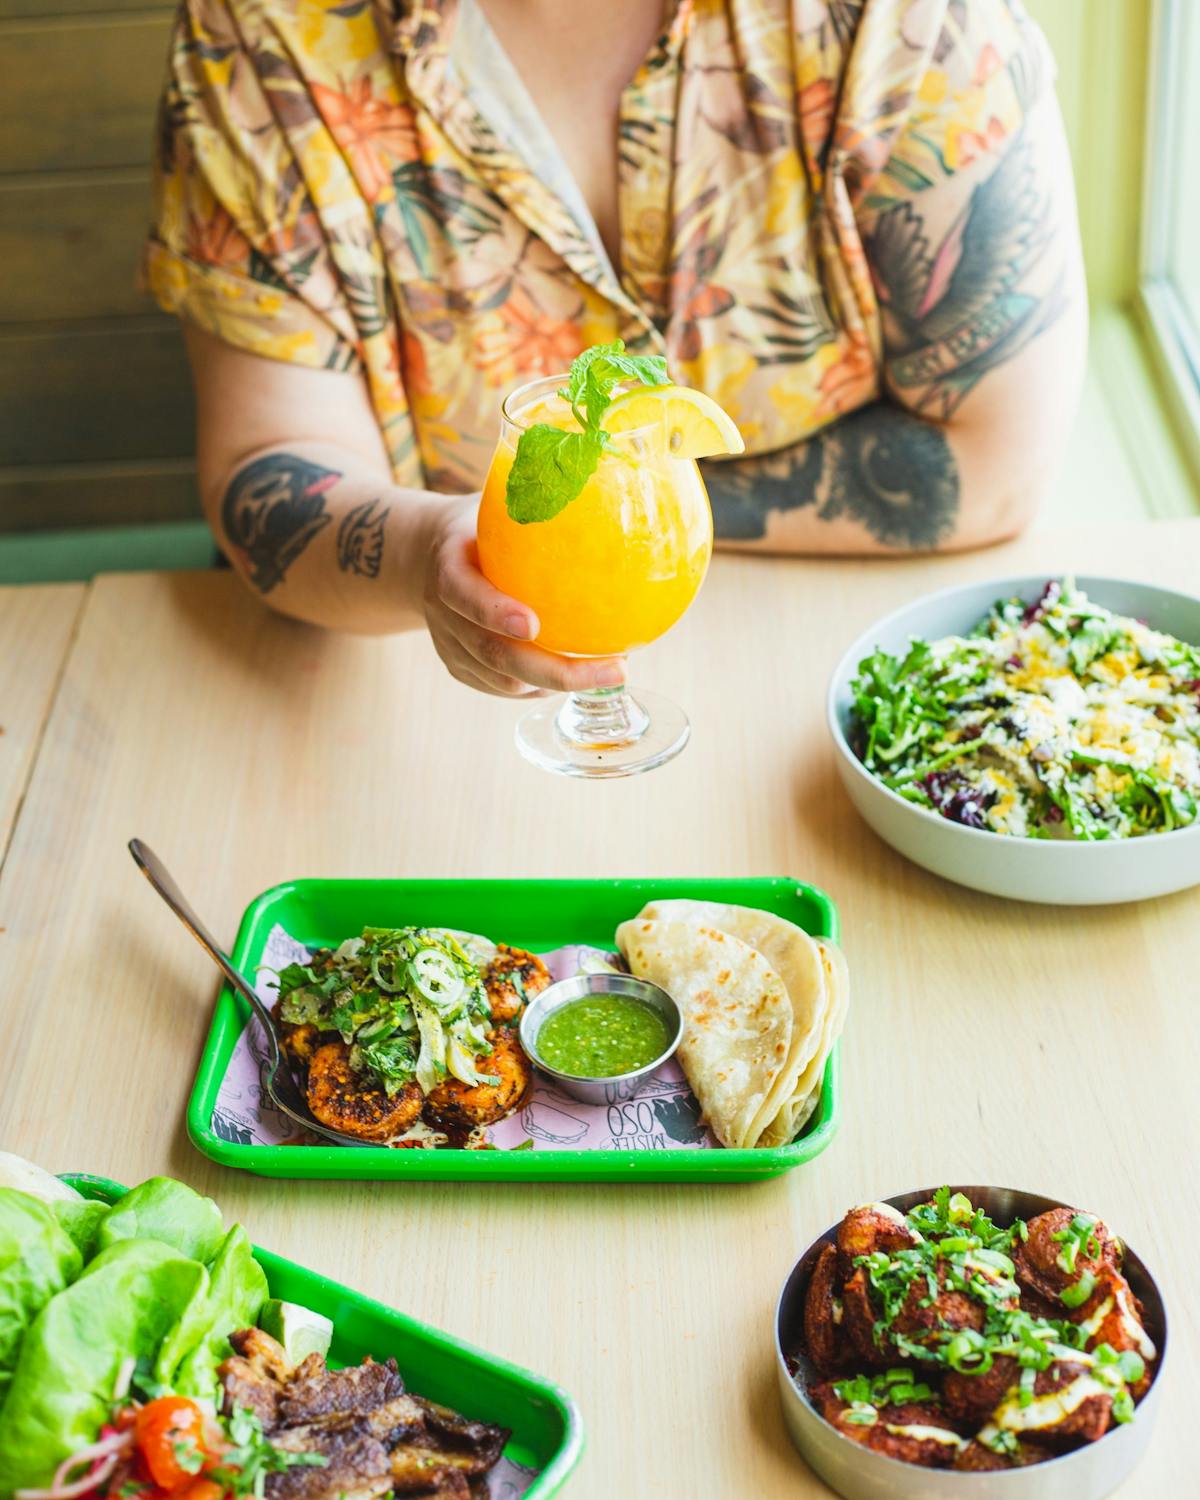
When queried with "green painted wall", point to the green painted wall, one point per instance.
{"points": [[1102, 48]]}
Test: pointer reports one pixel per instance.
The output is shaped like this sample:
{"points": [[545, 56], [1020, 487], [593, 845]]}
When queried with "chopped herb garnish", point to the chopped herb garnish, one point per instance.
{"points": [[244, 1467], [408, 1000], [1078, 1236]]}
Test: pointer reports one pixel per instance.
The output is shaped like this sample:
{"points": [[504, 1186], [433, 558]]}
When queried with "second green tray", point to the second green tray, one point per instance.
{"points": [[537, 914], [547, 1435]]}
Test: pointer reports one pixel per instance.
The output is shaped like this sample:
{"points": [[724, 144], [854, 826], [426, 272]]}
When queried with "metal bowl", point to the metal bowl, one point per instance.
{"points": [[1087, 1473], [1061, 872], [600, 1090]]}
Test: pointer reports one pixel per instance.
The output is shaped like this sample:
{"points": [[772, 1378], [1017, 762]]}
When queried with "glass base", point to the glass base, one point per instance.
{"points": [[608, 732]]}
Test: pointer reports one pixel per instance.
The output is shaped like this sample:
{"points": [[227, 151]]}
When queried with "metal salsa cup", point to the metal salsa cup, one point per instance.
{"points": [[622, 1085]]}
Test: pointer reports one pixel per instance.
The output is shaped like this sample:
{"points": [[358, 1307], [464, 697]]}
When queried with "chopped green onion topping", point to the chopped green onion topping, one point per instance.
{"points": [[1079, 1291]]}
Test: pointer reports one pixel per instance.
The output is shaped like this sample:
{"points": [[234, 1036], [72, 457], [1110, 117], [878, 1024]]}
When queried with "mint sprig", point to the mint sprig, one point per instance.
{"points": [[553, 463]]}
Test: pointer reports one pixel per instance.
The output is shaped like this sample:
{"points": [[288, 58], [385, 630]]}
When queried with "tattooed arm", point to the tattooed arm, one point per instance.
{"points": [[980, 285], [298, 490]]}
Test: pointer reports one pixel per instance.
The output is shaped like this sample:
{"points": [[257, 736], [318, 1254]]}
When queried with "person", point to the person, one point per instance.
{"points": [[851, 222]]}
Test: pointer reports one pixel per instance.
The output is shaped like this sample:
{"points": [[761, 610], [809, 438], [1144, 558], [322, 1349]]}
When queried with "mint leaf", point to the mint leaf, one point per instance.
{"points": [[552, 466], [598, 371], [582, 363], [550, 469]]}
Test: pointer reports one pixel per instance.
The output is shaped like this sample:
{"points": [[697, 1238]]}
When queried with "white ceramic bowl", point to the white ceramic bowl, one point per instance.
{"points": [[1048, 871]]}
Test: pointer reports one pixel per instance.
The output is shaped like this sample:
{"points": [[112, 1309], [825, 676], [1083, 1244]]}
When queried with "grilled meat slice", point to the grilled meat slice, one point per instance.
{"points": [[315, 1391], [357, 1466], [255, 1376], [422, 1471], [455, 1434], [373, 1434], [447, 1444]]}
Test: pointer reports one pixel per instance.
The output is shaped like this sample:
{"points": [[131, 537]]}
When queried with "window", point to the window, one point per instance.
{"points": [[1170, 280]]}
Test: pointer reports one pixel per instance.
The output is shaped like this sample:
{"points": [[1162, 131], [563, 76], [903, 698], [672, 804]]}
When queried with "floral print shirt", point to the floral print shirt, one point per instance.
{"points": [[327, 194]]}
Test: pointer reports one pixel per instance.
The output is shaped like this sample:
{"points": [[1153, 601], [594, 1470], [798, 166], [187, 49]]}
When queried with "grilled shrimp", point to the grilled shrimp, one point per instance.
{"points": [[510, 979], [299, 1042], [342, 1099], [457, 1105]]}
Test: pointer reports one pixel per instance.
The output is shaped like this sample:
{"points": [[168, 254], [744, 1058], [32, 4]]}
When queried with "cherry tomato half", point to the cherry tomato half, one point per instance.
{"points": [[199, 1489], [173, 1436]]}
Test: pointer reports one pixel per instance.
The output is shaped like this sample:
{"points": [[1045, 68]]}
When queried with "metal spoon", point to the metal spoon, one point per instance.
{"points": [[285, 1093]]}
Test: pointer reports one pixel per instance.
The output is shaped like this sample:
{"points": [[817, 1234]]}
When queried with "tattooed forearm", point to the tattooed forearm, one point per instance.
{"points": [[272, 510], [957, 305], [360, 539], [892, 472]]}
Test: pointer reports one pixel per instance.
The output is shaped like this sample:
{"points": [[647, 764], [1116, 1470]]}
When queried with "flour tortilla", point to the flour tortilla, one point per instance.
{"points": [[795, 957], [805, 1094], [737, 1017]]}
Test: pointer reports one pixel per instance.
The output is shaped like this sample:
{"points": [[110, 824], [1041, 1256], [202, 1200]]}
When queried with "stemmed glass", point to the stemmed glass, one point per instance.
{"points": [[613, 570]]}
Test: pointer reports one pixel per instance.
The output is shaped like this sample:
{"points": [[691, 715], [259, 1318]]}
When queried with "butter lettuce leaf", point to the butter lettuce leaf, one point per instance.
{"points": [[124, 1304], [235, 1296], [162, 1209], [81, 1219], [37, 1260]]}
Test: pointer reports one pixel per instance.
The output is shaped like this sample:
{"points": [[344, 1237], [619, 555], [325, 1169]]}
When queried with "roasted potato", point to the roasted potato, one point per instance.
{"points": [[1044, 1263], [823, 1315], [905, 1431], [875, 1226], [1113, 1315]]}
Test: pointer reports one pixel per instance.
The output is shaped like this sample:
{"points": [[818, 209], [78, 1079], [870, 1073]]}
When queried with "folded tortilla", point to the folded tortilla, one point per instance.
{"points": [[737, 1017], [815, 978], [805, 1093], [796, 959]]}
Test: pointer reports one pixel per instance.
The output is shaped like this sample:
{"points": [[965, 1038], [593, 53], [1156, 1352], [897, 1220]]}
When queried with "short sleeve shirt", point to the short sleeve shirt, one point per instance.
{"points": [[327, 194]]}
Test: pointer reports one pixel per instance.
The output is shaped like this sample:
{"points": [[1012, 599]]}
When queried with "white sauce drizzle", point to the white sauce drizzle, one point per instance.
{"points": [[1043, 1411], [1141, 1339], [922, 1434]]}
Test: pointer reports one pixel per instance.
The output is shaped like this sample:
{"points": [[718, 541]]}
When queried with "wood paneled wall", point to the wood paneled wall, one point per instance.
{"points": [[95, 402]]}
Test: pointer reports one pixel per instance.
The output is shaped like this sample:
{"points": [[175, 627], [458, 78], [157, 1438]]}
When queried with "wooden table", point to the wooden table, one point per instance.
{"points": [[1053, 1049]]}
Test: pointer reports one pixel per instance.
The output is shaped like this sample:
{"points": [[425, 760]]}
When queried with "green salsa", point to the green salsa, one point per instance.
{"points": [[602, 1036]]}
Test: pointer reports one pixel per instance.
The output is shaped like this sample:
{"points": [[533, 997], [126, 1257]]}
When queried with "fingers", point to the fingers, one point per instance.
{"points": [[485, 637], [497, 655], [473, 674], [463, 588]]}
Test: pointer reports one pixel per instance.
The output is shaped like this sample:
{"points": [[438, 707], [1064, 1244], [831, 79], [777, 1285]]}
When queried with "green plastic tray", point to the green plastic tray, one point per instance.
{"points": [[537, 914], [547, 1434]]}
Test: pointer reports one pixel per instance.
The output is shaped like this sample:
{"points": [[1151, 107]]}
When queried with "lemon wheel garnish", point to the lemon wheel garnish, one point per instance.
{"points": [[696, 425]]}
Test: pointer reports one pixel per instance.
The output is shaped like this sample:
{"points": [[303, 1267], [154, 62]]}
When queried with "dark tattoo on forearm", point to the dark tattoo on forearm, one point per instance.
{"points": [[892, 472], [272, 510], [951, 312], [360, 539], [954, 311]]}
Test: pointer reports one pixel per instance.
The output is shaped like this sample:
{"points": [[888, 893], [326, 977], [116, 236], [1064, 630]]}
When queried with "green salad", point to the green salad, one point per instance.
{"points": [[101, 1305], [1056, 719], [409, 1000], [141, 1358]]}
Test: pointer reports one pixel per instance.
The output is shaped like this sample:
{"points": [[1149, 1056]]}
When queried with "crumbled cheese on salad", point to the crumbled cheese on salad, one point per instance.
{"points": [[1054, 719]]}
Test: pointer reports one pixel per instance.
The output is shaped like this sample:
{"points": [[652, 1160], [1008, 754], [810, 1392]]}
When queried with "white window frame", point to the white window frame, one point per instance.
{"points": [[1166, 316]]}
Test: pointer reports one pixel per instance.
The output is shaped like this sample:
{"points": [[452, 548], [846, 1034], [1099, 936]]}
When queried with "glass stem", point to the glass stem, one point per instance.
{"points": [[602, 718]]}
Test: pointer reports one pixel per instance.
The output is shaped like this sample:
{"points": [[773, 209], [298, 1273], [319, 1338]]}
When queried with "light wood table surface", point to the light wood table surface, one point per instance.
{"points": [[1050, 1049], [36, 627]]}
